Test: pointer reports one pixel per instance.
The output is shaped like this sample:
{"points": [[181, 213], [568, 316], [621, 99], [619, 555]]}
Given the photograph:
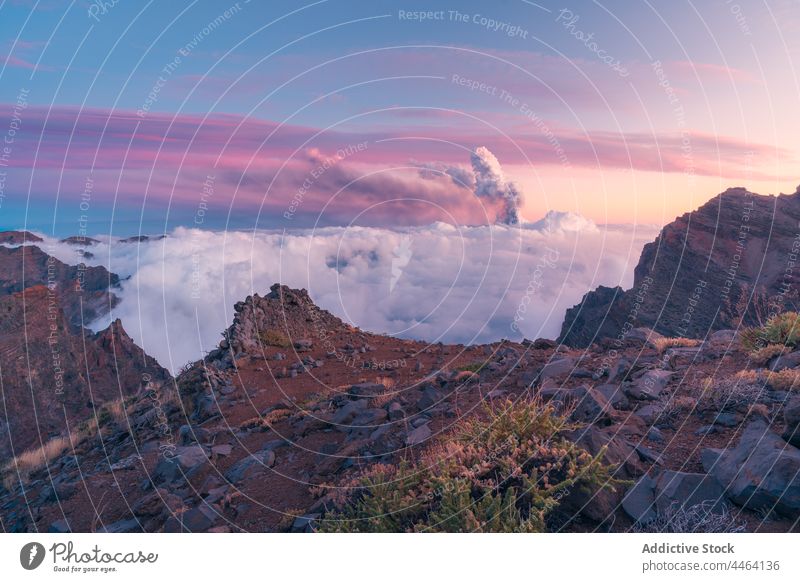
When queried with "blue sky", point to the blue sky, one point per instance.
{"points": [[333, 73]]}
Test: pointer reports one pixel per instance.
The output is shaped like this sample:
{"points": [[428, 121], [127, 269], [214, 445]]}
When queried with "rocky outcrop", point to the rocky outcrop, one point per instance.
{"points": [[705, 271], [84, 293], [18, 237], [54, 372]]}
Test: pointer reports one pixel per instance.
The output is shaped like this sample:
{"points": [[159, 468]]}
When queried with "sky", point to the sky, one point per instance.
{"points": [[124, 117]]}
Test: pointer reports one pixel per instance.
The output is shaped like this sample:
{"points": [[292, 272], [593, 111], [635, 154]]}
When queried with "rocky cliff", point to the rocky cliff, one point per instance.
{"points": [[731, 261]]}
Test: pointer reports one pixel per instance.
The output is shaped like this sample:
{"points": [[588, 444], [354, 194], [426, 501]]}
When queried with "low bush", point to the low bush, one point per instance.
{"points": [[781, 329], [274, 338], [662, 344], [502, 473]]}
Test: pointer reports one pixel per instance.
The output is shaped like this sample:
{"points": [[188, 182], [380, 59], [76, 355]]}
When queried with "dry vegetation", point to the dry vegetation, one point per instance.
{"points": [[664, 343], [503, 473]]}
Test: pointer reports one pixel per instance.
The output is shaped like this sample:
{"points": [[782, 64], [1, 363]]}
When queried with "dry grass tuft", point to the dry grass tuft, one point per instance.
{"points": [[664, 343]]}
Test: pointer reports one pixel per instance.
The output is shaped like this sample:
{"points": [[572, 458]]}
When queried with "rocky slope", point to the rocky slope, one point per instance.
{"points": [[85, 293], [733, 260], [270, 431], [55, 373]]}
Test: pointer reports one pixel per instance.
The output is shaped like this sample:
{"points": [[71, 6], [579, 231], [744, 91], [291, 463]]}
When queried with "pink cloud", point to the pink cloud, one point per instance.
{"points": [[261, 164]]}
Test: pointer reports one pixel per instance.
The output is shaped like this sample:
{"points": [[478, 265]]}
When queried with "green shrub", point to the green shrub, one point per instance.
{"points": [[781, 329], [271, 337], [504, 473]]}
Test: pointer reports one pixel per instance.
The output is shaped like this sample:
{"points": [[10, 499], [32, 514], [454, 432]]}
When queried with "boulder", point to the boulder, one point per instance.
{"points": [[556, 368], [614, 394], [651, 496], [786, 361], [760, 473], [250, 465], [649, 386], [791, 416], [591, 406], [419, 435]]}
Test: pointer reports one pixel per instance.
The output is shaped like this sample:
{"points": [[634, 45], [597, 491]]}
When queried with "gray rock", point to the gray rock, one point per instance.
{"points": [[250, 465], [430, 397], [303, 345], [122, 526], [419, 435], [786, 361], [761, 472], [395, 411], [556, 368], [655, 435], [59, 526], [791, 416], [650, 497], [723, 336], [705, 430], [649, 386], [639, 501], [649, 413], [591, 406], [199, 519], [305, 523], [614, 394], [222, 450], [185, 462], [727, 419], [348, 412]]}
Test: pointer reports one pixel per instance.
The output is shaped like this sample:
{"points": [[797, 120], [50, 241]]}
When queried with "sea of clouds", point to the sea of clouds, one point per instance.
{"points": [[437, 283]]}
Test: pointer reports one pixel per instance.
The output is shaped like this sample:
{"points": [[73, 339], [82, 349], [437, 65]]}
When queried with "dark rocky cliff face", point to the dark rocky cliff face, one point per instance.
{"points": [[731, 261], [55, 374], [85, 293]]}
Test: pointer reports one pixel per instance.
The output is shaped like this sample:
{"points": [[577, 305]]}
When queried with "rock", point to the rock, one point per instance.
{"points": [[348, 412], [185, 462], [419, 435], [222, 450], [122, 526], [619, 371], [655, 435], [303, 345], [130, 462], [430, 398], [556, 368], [791, 416], [649, 413], [305, 523], [705, 430], [723, 337], [59, 526], [614, 394], [650, 497], [250, 465], [649, 386], [727, 419], [395, 411], [786, 361], [591, 407], [543, 344], [199, 519], [639, 501], [761, 472]]}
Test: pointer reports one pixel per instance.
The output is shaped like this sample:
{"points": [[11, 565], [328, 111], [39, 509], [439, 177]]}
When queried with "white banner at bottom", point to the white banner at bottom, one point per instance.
{"points": [[354, 557]]}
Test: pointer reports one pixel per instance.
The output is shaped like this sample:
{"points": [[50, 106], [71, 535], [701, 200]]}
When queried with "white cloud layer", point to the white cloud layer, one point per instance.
{"points": [[438, 283]]}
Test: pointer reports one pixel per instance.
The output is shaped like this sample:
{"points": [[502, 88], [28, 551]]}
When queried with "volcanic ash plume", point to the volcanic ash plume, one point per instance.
{"points": [[490, 183]]}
